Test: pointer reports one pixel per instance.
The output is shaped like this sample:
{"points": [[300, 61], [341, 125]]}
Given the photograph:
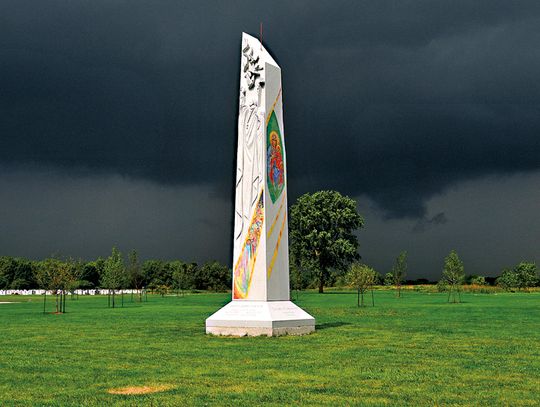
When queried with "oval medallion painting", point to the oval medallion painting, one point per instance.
{"points": [[274, 162]]}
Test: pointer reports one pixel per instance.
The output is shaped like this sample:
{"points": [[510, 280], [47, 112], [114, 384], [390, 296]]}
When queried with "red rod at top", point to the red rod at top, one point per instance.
{"points": [[261, 32]]}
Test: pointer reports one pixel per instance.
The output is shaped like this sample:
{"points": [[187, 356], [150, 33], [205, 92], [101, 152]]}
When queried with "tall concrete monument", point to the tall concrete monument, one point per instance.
{"points": [[260, 293]]}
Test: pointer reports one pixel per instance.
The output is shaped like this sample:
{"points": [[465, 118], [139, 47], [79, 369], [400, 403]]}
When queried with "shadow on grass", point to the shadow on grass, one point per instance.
{"points": [[327, 325]]}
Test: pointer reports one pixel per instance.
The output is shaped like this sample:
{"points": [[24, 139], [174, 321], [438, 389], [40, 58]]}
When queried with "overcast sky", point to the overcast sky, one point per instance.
{"points": [[118, 124]]}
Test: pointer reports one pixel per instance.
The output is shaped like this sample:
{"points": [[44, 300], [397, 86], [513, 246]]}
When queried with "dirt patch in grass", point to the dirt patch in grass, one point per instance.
{"points": [[7, 302], [134, 390]]}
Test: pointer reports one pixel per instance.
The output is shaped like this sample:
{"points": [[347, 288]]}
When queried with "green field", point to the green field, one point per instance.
{"points": [[417, 350]]}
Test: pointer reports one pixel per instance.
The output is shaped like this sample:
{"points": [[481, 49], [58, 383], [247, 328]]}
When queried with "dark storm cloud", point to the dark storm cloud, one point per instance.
{"points": [[427, 223], [493, 223], [45, 212], [392, 100]]}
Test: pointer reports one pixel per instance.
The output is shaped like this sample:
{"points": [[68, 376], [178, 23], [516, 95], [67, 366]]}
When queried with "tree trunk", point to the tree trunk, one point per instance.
{"points": [[321, 278], [44, 301], [372, 298], [114, 292], [362, 298], [57, 301], [108, 299], [122, 298], [358, 298]]}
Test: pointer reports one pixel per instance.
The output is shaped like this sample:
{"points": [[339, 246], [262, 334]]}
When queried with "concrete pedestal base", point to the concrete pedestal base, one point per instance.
{"points": [[255, 318]]}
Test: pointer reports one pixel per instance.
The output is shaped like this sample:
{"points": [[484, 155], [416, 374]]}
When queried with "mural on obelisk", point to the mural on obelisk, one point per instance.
{"points": [[260, 203], [277, 236]]}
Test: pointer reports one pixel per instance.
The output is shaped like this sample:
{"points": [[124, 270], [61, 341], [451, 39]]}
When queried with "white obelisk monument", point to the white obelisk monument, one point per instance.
{"points": [[260, 294]]}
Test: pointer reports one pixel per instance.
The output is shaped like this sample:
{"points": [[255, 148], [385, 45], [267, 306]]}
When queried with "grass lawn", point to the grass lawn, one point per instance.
{"points": [[417, 350]]}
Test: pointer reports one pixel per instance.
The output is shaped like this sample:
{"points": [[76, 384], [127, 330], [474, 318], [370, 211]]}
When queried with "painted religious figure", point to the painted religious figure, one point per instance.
{"points": [[274, 159], [249, 177]]}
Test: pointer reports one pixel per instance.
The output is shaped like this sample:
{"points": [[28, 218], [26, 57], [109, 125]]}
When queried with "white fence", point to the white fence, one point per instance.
{"points": [[78, 292]]}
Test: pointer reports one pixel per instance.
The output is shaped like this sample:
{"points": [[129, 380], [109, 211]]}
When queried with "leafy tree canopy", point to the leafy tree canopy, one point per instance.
{"points": [[453, 273], [362, 278], [526, 274], [321, 233], [522, 276], [399, 271], [113, 277]]}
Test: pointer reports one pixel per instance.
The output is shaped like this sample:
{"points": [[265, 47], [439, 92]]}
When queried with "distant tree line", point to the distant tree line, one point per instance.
{"points": [[521, 277], [116, 273], [67, 274]]}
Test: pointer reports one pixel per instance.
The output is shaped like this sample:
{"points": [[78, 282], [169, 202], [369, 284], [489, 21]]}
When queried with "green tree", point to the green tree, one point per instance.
{"points": [[43, 280], [91, 273], [181, 279], [191, 272], [295, 279], [73, 277], [522, 276], [114, 275], [508, 280], [59, 276], [216, 276], [135, 274], [526, 275], [48, 276], [478, 280], [388, 279], [378, 278], [321, 233], [16, 273], [453, 275], [299, 277], [442, 286], [362, 278], [399, 271], [162, 290], [156, 273]]}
